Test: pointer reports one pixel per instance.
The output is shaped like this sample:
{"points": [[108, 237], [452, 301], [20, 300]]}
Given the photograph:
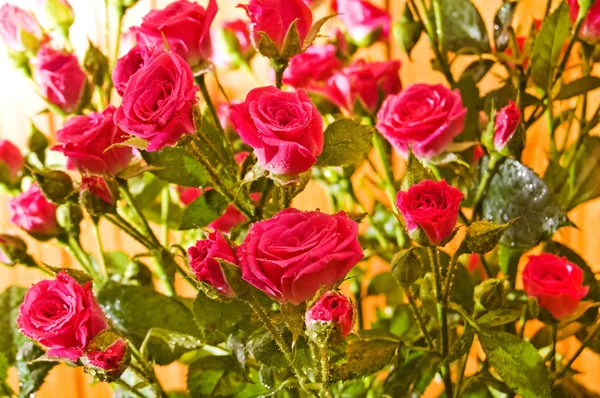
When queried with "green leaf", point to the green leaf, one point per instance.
{"points": [[517, 362], [516, 191], [386, 284], [469, 93], [123, 270], [10, 338], [291, 43], [31, 374], [314, 31], [415, 172], [215, 376], [172, 339], [549, 45], [96, 64], [145, 188], [502, 24], [479, 68], [218, 153], [461, 347], [412, 375], [346, 143], [483, 236], [499, 317], [267, 47], [463, 27], [217, 320], [176, 166], [578, 87], [205, 209], [135, 310]]}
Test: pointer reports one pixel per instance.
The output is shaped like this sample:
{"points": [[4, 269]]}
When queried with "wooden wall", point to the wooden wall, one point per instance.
{"points": [[18, 104]]}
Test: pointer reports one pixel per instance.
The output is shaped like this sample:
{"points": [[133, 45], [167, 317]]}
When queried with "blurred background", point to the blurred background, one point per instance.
{"points": [[19, 104]]}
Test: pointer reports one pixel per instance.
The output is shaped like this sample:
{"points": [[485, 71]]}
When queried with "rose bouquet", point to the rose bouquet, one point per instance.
{"points": [[426, 183]]}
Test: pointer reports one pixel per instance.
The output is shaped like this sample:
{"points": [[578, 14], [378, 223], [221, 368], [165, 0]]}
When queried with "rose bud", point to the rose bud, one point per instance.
{"points": [[19, 29], [86, 140], [98, 196], [491, 294], [61, 80], [406, 267], [363, 84], [423, 116], [313, 66], [556, 282], [274, 18], [56, 14], [431, 207], [34, 213], [56, 185], [284, 128], [203, 261], [364, 23], [138, 57], [590, 30], [13, 250], [184, 25], [294, 254], [106, 356], [11, 163], [61, 315], [153, 114], [505, 125], [232, 46], [332, 311]]}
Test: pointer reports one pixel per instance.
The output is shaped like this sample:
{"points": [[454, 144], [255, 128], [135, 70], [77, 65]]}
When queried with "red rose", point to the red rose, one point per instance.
{"points": [[134, 60], [86, 140], [107, 360], [203, 261], [506, 123], [555, 282], [61, 315], [158, 102], [274, 18], [295, 253], [431, 206], [34, 213], [184, 25], [364, 22], [365, 83], [19, 29], [428, 117], [284, 128], [60, 78], [590, 31], [331, 308], [232, 45], [11, 158], [314, 65]]}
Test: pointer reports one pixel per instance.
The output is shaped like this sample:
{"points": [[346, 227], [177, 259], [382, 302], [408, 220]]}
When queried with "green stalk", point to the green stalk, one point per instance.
{"points": [[554, 329], [201, 81], [324, 362], [489, 172], [120, 15], [413, 305], [147, 231], [280, 66], [102, 258], [431, 29], [73, 246], [164, 214], [129, 388], [450, 276]]}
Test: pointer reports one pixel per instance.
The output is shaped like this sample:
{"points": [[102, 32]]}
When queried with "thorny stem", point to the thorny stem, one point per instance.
{"points": [[488, 173], [101, 254], [413, 304]]}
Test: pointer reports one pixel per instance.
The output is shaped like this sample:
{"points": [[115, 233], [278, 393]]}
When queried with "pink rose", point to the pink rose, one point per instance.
{"points": [[134, 60], [12, 160], [86, 140], [314, 65], [61, 315], [365, 83], [295, 253], [590, 31], [331, 309], [184, 25], [284, 128], [107, 361], [431, 206], [32, 212], [232, 45], [275, 17], [60, 78], [203, 261], [158, 102], [506, 123], [557, 284], [19, 29], [364, 22], [428, 117]]}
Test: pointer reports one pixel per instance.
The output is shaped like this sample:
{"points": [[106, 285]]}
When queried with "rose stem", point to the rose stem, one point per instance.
{"points": [[324, 360], [102, 262], [164, 214], [74, 247], [554, 329], [129, 388], [120, 14], [488, 173], [413, 304], [280, 66], [450, 276], [584, 344]]}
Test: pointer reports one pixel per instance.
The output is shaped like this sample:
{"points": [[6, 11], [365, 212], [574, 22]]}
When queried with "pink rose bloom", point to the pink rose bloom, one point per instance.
{"points": [[556, 282], [284, 128], [11, 158], [590, 31], [203, 261], [232, 44], [505, 125], [61, 315], [85, 141], [431, 206], [134, 60], [331, 308], [365, 82], [60, 78], [110, 362], [364, 22], [295, 253], [314, 65], [98, 187], [32, 212], [274, 18], [184, 25], [18, 27], [158, 102], [428, 117]]}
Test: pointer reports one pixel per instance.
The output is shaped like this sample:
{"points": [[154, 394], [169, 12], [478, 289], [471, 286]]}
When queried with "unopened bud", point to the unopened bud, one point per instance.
{"points": [[406, 267], [490, 294], [107, 356], [332, 314], [98, 195], [56, 185]]}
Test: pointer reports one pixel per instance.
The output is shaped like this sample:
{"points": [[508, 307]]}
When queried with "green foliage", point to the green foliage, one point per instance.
{"points": [[412, 374], [217, 319], [205, 209], [176, 166], [346, 143], [464, 29], [32, 373], [579, 86], [503, 24], [215, 376]]}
